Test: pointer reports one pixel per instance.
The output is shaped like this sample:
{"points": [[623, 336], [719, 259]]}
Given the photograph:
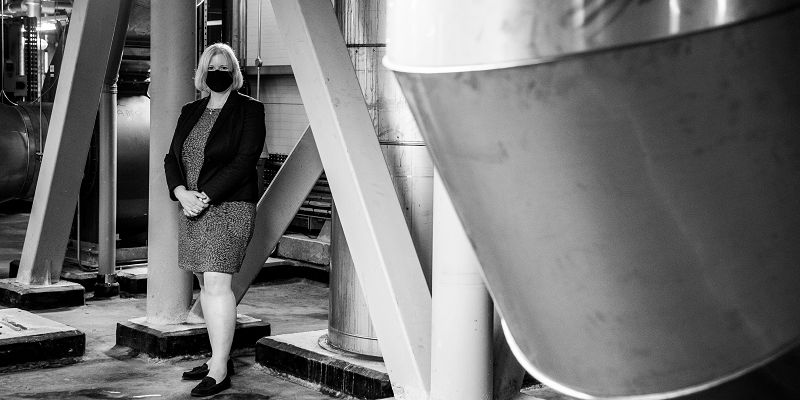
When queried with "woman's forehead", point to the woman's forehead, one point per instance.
{"points": [[219, 59]]}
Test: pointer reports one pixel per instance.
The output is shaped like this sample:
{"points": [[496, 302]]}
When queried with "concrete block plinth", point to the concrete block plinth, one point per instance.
{"points": [[300, 355], [69, 271], [40, 297], [303, 248], [164, 341], [73, 273], [28, 340], [133, 280]]}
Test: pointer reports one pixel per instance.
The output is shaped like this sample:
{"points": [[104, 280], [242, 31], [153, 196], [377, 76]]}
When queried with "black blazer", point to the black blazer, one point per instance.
{"points": [[231, 153]]}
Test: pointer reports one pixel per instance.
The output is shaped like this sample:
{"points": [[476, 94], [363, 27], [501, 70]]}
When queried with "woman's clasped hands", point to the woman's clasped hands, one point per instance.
{"points": [[192, 202]]}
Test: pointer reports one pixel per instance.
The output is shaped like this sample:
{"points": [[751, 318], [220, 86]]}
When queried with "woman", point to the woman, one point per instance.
{"points": [[211, 171]]}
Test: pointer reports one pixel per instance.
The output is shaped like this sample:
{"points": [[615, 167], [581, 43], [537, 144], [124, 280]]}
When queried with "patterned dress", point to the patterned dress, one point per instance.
{"points": [[215, 240]]}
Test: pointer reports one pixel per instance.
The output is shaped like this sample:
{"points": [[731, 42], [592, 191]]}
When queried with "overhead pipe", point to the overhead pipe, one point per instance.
{"points": [[106, 285], [24, 8], [636, 217]]}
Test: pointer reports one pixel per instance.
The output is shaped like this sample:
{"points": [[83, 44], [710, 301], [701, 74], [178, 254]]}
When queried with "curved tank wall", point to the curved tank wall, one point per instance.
{"points": [[21, 137], [637, 213], [19, 145]]}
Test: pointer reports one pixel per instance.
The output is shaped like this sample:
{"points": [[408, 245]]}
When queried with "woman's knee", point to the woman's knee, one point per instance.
{"points": [[217, 283]]}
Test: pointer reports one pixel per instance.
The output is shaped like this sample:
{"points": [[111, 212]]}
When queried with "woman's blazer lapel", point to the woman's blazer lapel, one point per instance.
{"points": [[186, 126]]}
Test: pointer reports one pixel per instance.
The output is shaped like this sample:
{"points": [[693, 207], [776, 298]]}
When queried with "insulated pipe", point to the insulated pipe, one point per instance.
{"points": [[236, 28], [462, 316], [19, 8], [34, 8], [242, 32], [169, 289], [107, 142]]}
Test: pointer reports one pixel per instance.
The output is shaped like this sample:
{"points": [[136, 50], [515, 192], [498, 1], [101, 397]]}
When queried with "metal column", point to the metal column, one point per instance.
{"points": [[85, 58], [107, 230], [384, 256], [169, 289], [461, 344]]}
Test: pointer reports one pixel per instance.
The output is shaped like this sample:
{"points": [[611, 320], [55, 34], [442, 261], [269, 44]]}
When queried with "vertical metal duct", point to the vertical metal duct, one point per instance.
{"points": [[363, 28], [628, 173], [349, 325]]}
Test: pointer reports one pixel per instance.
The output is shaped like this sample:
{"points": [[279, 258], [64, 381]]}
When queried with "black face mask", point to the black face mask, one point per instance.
{"points": [[219, 81]]}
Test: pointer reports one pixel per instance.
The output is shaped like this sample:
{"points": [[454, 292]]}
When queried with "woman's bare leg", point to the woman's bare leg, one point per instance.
{"points": [[219, 310], [193, 318]]}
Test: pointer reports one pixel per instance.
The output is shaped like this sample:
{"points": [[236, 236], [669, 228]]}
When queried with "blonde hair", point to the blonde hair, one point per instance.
{"points": [[205, 59]]}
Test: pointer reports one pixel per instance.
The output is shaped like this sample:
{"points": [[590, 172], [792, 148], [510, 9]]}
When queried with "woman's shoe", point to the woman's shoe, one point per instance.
{"points": [[208, 386], [197, 373]]}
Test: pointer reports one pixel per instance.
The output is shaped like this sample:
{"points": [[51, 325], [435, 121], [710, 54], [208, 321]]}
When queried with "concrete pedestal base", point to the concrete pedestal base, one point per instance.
{"points": [[73, 273], [133, 280], [90, 256], [35, 297], [300, 355], [69, 271], [303, 248], [164, 341], [28, 340]]}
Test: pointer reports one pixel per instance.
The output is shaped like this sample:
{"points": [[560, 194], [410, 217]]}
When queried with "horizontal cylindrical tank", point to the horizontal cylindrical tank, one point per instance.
{"points": [[22, 131], [632, 200], [20, 145]]}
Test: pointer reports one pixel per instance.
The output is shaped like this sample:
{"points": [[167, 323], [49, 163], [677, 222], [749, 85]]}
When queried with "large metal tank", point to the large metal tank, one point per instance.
{"points": [[20, 145], [22, 133], [363, 25], [628, 173]]}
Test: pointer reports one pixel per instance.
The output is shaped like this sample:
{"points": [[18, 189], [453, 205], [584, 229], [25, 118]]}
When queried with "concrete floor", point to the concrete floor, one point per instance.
{"points": [[107, 372]]}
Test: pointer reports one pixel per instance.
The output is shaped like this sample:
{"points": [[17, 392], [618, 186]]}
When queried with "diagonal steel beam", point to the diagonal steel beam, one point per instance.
{"points": [[383, 253], [277, 207], [85, 59]]}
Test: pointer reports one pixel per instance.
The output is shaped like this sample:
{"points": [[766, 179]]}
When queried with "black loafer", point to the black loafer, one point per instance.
{"points": [[197, 373], [208, 387]]}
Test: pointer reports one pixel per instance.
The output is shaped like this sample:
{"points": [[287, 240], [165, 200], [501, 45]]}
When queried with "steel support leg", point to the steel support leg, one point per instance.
{"points": [[169, 289], [74, 109], [383, 253], [461, 352], [276, 209], [107, 230]]}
